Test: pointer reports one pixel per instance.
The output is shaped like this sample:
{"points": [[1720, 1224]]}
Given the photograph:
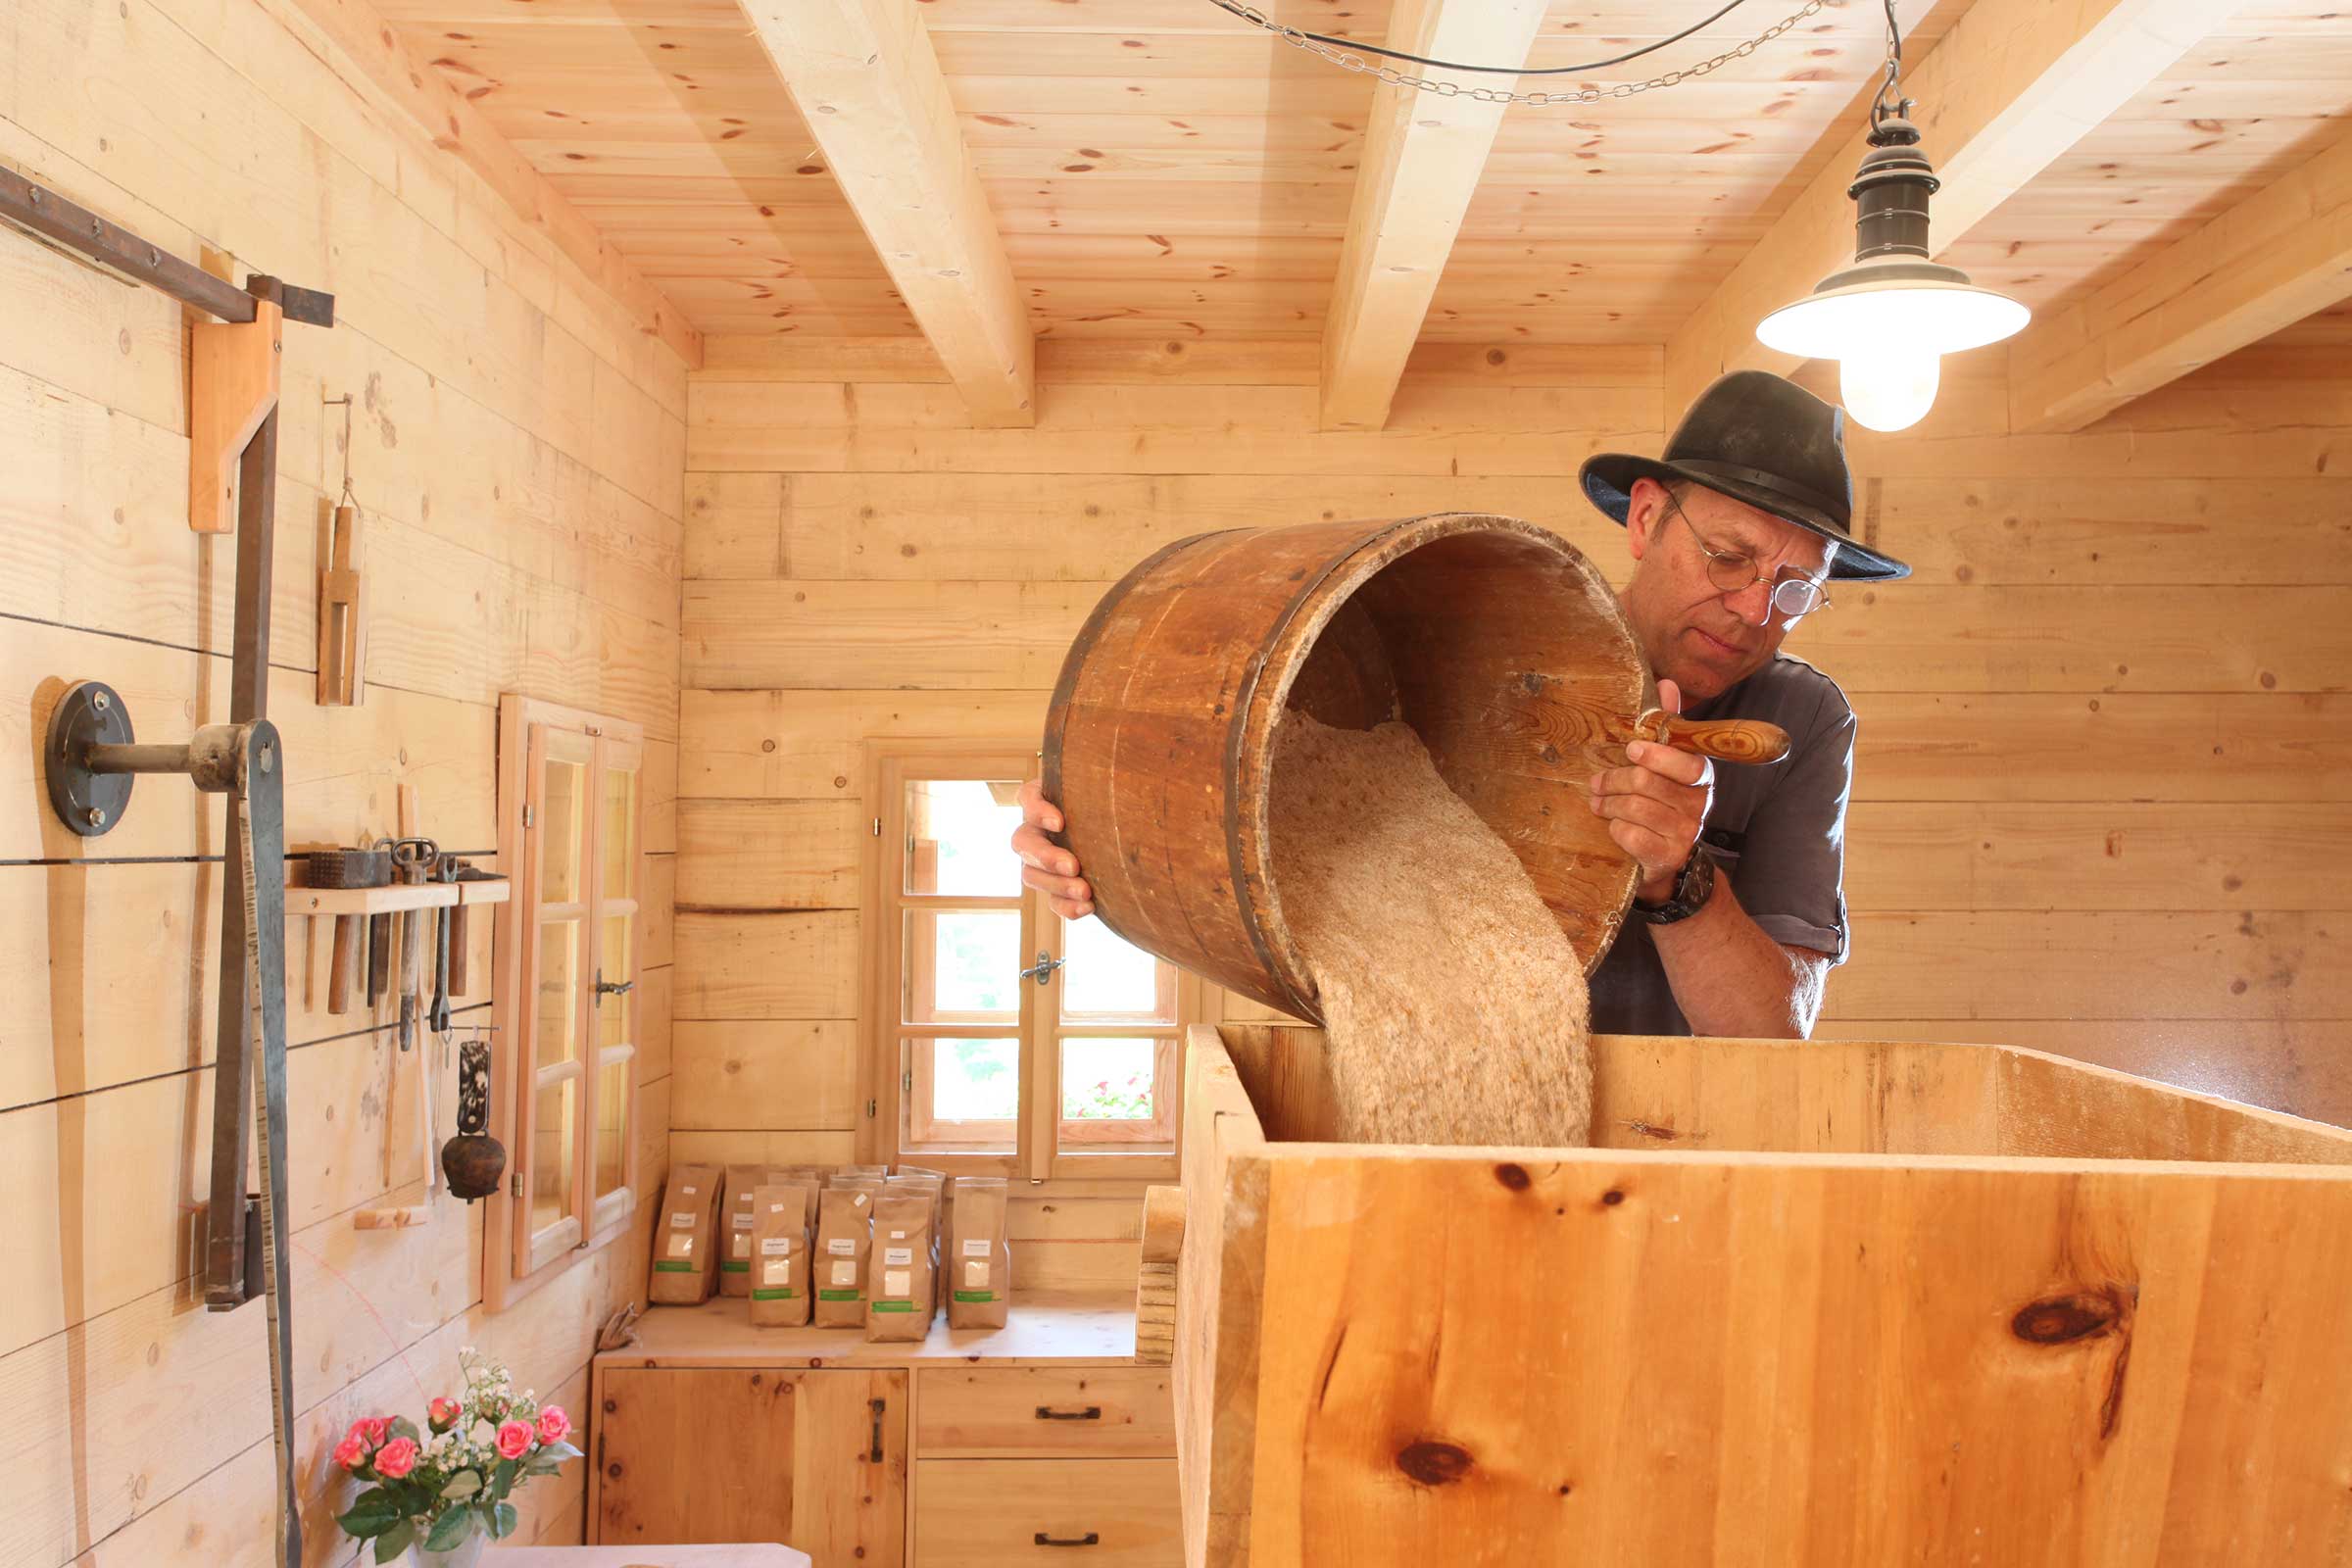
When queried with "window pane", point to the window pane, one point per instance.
{"points": [[962, 967], [557, 1035], [1108, 1080], [1106, 979], [552, 1134], [563, 814], [618, 851], [616, 962], [959, 838], [613, 1123], [971, 1080]]}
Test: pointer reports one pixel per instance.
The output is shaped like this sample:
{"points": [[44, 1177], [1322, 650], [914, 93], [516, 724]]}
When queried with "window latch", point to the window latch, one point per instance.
{"points": [[1042, 971], [606, 988]]}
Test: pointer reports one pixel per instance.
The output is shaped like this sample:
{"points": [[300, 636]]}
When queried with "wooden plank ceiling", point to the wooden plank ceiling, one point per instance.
{"points": [[1159, 170]]}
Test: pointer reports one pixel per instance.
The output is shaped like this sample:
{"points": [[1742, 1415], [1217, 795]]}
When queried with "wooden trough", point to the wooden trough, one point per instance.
{"points": [[1826, 1304]]}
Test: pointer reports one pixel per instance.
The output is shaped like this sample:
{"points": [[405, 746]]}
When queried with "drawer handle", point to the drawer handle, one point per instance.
{"points": [[1093, 1412], [1089, 1538], [877, 1407]]}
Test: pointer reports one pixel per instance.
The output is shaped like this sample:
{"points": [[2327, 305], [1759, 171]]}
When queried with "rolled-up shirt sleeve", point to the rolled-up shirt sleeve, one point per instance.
{"points": [[1790, 876]]}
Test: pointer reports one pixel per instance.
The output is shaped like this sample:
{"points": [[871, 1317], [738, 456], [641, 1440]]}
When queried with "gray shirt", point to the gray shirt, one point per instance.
{"points": [[1776, 831]]}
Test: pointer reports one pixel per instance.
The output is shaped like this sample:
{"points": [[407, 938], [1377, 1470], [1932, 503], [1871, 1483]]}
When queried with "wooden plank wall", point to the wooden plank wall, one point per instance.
{"points": [[516, 450], [2105, 752]]}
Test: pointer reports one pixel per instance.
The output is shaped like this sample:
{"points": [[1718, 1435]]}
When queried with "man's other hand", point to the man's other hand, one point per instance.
{"points": [[1052, 870], [1655, 807]]}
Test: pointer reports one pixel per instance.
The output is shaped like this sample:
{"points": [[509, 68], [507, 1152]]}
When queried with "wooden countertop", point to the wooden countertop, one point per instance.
{"points": [[1067, 1329], [746, 1556]]}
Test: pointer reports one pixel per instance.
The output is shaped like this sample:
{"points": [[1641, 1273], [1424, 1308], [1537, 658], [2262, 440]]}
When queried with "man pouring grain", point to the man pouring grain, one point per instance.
{"points": [[1735, 532]]}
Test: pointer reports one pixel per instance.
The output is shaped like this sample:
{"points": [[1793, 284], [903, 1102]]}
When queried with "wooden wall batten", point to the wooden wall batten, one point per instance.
{"points": [[516, 451]]}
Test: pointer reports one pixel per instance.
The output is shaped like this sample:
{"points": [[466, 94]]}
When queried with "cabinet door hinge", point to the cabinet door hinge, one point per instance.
{"points": [[869, 1111], [528, 813], [907, 1080], [515, 1184], [877, 827]]}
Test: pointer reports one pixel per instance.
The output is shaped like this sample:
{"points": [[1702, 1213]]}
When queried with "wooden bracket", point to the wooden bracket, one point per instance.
{"points": [[342, 634], [232, 388], [1155, 1277]]}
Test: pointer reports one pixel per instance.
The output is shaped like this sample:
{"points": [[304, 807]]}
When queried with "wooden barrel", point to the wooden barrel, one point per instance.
{"points": [[1492, 638]]}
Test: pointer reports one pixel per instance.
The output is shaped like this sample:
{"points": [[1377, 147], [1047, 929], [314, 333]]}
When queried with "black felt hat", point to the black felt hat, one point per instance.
{"points": [[1762, 439]]}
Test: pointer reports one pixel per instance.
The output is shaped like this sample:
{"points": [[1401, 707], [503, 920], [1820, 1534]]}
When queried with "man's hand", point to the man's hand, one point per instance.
{"points": [[1050, 870], [1655, 807]]}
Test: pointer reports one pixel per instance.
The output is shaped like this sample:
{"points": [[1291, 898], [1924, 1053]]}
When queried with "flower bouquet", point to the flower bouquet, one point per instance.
{"points": [[449, 1492]]}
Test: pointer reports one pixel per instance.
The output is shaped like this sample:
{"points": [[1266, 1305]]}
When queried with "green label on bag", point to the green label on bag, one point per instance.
{"points": [[975, 1296], [779, 1294], [894, 1306], [667, 1266], [840, 1296], [730, 1266]]}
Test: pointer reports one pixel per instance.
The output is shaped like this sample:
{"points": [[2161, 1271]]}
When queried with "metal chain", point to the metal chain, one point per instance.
{"points": [[1347, 60]]}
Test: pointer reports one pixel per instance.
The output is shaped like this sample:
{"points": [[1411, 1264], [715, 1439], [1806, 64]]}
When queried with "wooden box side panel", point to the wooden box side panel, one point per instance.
{"points": [[1219, 1279], [1681, 1093], [1719, 1360], [2051, 1105], [1838, 1097]]}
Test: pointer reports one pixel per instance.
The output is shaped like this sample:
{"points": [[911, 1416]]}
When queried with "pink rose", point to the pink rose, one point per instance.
{"points": [[443, 1413], [351, 1451], [375, 1429], [396, 1458], [513, 1441], [554, 1425]]}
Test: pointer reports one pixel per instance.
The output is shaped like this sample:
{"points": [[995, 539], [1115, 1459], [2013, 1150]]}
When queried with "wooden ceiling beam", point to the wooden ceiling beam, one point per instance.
{"points": [[2282, 254], [458, 129], [868, 82], [1423, 155], [2003, 95]]}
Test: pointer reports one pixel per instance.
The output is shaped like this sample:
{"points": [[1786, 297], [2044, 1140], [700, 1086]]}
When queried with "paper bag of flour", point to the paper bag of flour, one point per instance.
{"points": [[898, 1274], [975, 1258], [735, 1228], [845, 1231], [779, 1273], [685, 1237]]}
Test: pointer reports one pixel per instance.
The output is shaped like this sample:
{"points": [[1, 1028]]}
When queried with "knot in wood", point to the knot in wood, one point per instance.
{"points": [[1434, 1464], [2064, 1320]]}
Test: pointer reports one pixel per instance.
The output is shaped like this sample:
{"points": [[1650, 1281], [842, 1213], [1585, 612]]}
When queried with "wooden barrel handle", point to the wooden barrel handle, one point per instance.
{"points": [[1726, 740]]}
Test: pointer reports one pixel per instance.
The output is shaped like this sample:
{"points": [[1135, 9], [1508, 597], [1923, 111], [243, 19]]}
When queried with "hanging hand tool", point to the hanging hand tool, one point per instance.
{"points": [[379, 937], [411, 857], [445, 869], [346, 868]]}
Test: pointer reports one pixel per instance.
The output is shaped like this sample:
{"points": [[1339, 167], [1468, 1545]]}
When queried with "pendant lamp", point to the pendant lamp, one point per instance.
{"points": [[1889, 318]]}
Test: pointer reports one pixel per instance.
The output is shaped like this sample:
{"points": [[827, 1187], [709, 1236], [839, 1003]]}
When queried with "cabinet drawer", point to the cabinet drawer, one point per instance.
{"points": [[1099, 1411], [1065, 1513]]}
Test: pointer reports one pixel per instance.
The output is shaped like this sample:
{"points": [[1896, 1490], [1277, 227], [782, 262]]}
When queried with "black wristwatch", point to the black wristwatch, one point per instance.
{"points": [[1692, 888]]}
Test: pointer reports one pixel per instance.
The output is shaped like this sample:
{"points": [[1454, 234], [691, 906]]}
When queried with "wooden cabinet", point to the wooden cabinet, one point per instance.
{"points": [[814, 1459], [1023, 1441], [998, 1513]]}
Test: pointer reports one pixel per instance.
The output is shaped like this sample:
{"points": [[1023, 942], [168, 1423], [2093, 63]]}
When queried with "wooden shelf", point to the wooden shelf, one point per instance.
{"points": [[384, 901]]}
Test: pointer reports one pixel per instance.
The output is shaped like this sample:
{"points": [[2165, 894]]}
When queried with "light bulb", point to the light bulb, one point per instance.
{"points": [[1889, 387]]}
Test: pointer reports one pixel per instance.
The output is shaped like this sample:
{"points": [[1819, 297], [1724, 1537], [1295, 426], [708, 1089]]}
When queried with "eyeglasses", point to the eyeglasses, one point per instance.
{"points": [[1732, 572]]}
